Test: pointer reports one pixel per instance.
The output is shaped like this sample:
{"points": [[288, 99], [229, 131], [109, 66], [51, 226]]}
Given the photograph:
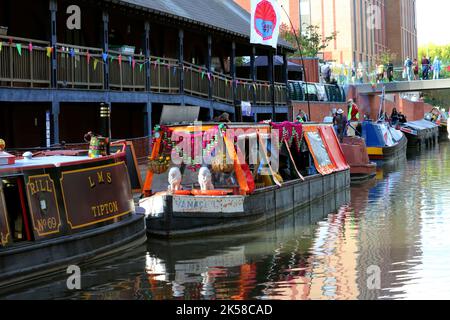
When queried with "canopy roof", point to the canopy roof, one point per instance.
{"points": [[262, 61], [223, 15]]}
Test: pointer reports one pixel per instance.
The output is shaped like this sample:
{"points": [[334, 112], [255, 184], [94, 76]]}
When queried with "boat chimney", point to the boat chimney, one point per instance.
{"points": [[105, 118]]}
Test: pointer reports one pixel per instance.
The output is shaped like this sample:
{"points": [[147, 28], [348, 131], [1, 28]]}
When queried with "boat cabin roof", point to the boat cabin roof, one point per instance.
{"points": [[49, 162]]}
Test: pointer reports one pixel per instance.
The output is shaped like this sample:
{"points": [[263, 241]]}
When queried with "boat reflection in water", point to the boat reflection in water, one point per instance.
{"points": [[222, 267]]}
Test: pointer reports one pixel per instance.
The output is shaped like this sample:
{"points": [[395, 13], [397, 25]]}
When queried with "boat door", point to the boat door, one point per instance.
{"points": [[5, 234], [15, 209]]}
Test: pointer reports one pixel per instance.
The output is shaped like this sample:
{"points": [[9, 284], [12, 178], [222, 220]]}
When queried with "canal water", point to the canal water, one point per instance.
{"points": [[386, 239]]}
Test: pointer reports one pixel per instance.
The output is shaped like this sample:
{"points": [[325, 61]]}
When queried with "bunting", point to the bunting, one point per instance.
{"points": [[49, 51], [105, 57], [1, 46], [19, 48], [30, 47]]}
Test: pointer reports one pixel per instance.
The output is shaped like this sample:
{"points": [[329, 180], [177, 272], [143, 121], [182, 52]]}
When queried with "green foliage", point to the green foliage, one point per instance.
{"points": [[385, 57], [311, 41], [432, 50], [438, 98]]}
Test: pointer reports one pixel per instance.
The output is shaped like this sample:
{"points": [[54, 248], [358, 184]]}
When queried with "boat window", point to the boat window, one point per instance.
{"points": [[17, 209]]}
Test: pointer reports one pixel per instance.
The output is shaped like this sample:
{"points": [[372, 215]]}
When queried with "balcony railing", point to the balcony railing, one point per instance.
{"points": [[165, 75], [125, 72], [22, 65], [196, 80], [79, 67], [27, 63]]}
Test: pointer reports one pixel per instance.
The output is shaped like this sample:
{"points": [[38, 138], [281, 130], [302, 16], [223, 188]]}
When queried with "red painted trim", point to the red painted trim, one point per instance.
{"points": [[117, 156], [24, 210]]}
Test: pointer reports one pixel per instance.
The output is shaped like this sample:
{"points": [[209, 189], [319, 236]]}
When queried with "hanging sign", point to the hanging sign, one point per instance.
{"points": [[265, 22]]}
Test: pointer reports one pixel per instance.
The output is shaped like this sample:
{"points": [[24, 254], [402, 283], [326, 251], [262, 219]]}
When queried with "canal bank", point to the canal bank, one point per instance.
{"points": [[396, 223]]}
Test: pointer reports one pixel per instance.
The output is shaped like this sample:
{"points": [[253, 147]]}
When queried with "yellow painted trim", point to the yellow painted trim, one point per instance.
{"points": [[64, 197], [375, 151], [56, 201]]}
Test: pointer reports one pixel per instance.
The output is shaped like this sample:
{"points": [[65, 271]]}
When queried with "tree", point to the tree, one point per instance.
{"points": [[385, 57], [311, 42]]}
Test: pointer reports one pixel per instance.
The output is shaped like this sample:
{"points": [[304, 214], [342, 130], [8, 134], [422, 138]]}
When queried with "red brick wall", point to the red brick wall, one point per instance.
{"points": [[319, 110]]}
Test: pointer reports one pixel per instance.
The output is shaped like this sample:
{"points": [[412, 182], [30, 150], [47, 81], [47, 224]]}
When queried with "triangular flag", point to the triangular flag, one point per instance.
{"points": [[95, 64], [130, 59], [30, 47], [209, 76], [133, 63], [10, 41], [72, 52], [174, 70], [105, 56], [203, 74], [140, 67], [1, 46], [19, 48], [88, 57], [49, 51], [111, 58], [120, 59]]}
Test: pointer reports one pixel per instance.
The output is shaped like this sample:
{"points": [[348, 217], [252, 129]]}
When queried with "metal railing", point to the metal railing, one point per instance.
{"points": [[22, 65], [301, 91]]}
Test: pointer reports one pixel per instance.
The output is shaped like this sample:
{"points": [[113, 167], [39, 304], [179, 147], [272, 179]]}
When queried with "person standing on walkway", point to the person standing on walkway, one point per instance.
{"points": [[390, 71], [416, 69], [353, 111], [408, 66], [436, 68], [425, 68]]}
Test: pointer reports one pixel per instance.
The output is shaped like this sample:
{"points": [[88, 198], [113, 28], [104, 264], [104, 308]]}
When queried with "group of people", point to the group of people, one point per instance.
{"points": [[411, 68], [395, 118]]}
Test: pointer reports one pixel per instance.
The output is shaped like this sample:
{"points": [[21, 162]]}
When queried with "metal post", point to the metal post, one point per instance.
{"points": [[148, 119], [105, 18], [56, 109], [181, 58], [238, 113], [270, 72], [209, 65], [53, 41], [253, 72], [148, 81], [105, 117], [286, 76]]}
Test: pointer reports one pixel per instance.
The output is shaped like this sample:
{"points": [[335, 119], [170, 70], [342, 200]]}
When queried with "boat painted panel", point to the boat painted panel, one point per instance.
{"points": [[5, 235], [43, 204], [372, 151], [96, 194], [226, 204]]}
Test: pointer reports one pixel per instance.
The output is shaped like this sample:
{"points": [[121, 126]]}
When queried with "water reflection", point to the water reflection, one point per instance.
{"points": [[398, 222]]}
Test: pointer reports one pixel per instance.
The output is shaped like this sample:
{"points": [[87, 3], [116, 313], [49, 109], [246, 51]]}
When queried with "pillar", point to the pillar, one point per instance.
{"points": [[209, 65], [237, 109], [253, 72], [53, 41], [286, 76], [181, 58], [148, 82], [148, 119], [270, 73], [56, 110], [105, 19]]}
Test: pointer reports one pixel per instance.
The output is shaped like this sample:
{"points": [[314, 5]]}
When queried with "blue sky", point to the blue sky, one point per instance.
{"points": [[433, 24]]}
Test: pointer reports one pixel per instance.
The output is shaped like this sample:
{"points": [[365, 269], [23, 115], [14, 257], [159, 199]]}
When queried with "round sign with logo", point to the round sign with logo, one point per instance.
{"points": [[265, 19]]}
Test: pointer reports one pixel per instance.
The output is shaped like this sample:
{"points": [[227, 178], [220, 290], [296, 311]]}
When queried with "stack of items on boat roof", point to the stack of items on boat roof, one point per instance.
{"points": [[224, 177], [63, 207], [440, 118]]}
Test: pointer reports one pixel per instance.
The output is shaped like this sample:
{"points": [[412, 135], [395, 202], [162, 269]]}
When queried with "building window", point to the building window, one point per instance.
{"points": [[305, 14]]}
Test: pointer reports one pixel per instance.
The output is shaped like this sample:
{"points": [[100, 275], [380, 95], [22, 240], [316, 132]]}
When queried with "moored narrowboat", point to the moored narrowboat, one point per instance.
{"points": [[383, 142], [246, 192], [420, 133], [355, 152], [63, 208]]}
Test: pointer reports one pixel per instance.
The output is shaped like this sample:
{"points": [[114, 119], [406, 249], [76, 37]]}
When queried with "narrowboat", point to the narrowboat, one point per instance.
{"points": [[420, 133], [61, 208], [440, 118], [383, 142], [295, 165], [355, 152]]}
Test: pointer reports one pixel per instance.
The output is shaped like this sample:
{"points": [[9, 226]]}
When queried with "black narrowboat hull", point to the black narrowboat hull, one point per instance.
{"points": [[28, 263], [188, 216]]}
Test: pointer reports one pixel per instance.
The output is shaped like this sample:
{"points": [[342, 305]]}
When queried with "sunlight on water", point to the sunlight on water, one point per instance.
{"points": [[399, 223]]}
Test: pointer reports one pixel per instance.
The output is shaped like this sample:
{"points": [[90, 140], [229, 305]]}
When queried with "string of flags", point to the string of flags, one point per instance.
{"points": [[155, 62]]}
